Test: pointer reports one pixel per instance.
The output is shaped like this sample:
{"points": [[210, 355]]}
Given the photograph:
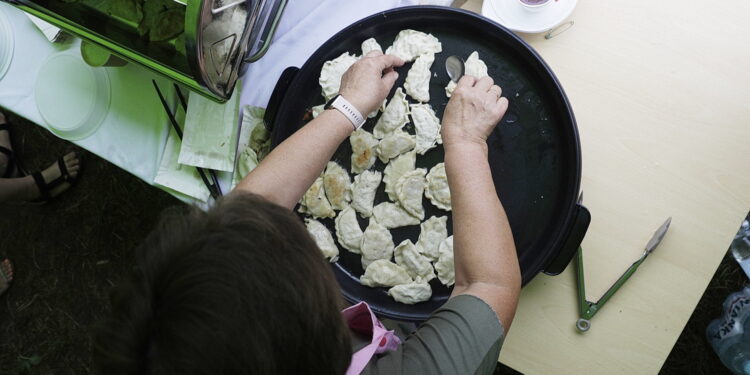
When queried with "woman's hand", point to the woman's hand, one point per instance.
{"points": [[473, 111], [367, 83]]}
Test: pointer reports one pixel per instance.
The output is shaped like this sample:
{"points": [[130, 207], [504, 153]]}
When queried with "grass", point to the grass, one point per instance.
{"points": [[69, 252]]}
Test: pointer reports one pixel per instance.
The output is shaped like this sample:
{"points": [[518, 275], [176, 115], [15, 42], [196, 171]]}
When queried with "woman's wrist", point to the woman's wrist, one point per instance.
{"points": [[334, 119], [360, 103], [465, 146]]}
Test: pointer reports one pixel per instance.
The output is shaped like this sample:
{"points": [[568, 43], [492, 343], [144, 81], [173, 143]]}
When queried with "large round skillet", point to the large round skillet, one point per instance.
{"points": [[534, 152]]}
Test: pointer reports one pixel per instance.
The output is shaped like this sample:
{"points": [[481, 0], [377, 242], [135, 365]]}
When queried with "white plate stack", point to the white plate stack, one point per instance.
{"points": [[72, 97]]}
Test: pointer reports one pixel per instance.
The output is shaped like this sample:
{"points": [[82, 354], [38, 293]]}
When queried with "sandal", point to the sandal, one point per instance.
{"points": [[45, 188], [6, 277]]}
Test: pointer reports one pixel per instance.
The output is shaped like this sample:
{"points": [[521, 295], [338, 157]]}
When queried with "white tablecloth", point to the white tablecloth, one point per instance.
{"points": [[133, 135]]}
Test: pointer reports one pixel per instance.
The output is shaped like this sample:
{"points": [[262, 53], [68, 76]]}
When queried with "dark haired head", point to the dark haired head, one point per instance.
{"points": [[241, 289]]}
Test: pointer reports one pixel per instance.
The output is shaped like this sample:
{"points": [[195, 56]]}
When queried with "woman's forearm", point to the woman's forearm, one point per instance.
{"points": [[289, 170], [485, 254]]}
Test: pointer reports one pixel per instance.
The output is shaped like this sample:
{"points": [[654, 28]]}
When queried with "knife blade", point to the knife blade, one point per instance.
{"points": [[658, 236]]}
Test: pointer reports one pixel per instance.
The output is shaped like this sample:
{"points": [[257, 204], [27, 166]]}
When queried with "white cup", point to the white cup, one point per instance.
{"points": [[534, 5]]}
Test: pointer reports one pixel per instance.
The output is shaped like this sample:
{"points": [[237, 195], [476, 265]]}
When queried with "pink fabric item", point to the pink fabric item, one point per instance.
{"points": [[362, 320]]}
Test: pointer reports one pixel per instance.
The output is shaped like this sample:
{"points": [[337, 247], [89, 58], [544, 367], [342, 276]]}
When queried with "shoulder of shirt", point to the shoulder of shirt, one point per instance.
{"points": [[469, 301]]}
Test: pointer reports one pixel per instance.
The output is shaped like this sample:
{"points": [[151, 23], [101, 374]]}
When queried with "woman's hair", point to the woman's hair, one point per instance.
{"points": [[240, 289]]}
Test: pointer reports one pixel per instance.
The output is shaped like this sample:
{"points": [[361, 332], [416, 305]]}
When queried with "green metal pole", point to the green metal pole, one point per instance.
{"points": [[582, 324], [618, 284]]}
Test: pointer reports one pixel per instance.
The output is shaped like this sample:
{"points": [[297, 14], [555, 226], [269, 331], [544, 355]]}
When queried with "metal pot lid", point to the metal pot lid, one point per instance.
{"points": [[218, 35]]}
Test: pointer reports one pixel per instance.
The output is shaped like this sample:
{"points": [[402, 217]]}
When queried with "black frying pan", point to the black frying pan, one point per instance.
{"points": [[534, 152]]}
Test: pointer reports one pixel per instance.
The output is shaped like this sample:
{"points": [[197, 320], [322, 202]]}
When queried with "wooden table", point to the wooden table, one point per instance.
{"points": [[661, 91]]}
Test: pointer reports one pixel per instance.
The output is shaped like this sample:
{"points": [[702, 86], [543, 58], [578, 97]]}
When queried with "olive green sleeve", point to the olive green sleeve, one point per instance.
{"points": [[464, 336]]}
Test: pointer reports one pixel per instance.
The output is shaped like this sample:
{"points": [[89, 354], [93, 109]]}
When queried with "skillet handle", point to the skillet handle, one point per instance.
{"points": [[277, 96], [570, 247]]}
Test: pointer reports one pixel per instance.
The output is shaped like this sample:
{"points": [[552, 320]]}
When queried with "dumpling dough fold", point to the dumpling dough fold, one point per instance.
{"points": [[333, 70], [315, 203], [370, 45], [395, 144], [395, 116], [427, 127], [418, 291], [391, 215], [363, 191], [437, 190], [410, 43], [337, 185], [444, 266], [383, 272], [364, 150], [348, 231], [433, 231], [417, 84], [409, 190], [323, 239], [395, 169], [416, 264], [377, 242]]}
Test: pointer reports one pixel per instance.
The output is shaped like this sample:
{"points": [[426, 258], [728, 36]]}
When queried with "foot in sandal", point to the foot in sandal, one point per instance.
{"points": [[6, 275], [54, 180]]}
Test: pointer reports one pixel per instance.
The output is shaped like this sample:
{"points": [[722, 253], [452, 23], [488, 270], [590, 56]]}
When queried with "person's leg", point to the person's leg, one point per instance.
{"points": [[26, 189], [6, 275], [18, 189], [5, 143]]}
